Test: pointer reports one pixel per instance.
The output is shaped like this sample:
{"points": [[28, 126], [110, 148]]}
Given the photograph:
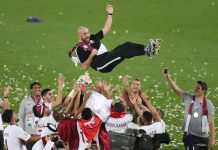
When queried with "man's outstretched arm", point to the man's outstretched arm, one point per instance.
{"points": [[85, 65], [172, 83], [108, 23]]}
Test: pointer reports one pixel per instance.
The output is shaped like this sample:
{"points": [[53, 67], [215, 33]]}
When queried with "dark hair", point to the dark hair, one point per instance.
{"points": [[7, 115], [147, 116], [203, 85], [34, 83], [86, 114], [136, 80], [161, 111], [45, 91], [118, 107], [58, 115], [35, 112], [38, 110]]}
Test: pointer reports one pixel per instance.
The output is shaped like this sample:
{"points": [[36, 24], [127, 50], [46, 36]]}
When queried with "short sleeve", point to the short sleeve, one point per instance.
{"points": [[100, 34], [82, 54], [21, 134], [210, 108], [186, 96], [132, 125], [129, 117]]}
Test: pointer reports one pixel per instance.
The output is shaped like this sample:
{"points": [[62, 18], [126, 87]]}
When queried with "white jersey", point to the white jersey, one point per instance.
{"points": [[83, 139], [118, 124], [1, 123], [42, 122], [13, 136], [100, 105], [154, 128], [39, 145]]}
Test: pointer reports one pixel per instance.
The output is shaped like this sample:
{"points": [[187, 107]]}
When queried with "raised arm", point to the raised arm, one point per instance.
{"points": [[85, 65], [108, 23], [153, 111], [85, 99], [60, 91], [5, 104], [172, 83], [106, 88]]}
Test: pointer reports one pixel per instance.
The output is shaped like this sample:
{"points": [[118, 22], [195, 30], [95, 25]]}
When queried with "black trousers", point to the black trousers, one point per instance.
{"points": [[198, 142], [29, 145], [107, 61], [1, 140]]}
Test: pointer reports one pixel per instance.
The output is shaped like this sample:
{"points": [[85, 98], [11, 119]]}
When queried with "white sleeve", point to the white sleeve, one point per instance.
{"points": [[21, 115], [129, 117], [132, 125], [21, 134], [163, 125], [108, 103]]}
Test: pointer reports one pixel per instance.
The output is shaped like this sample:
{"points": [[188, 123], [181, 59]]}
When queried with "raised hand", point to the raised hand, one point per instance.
{"points": [[106, 86], [6, 91], [125, 82], [109, 9], [115, 89], [87, 95], [166, 72], [61, 80]]}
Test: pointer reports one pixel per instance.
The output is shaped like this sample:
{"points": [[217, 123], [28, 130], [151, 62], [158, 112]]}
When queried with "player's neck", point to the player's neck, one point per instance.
{"points": [[199, 97]]}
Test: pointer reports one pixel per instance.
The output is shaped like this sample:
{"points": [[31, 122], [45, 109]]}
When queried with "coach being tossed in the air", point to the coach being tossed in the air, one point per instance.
{"points": [[90, 51]]}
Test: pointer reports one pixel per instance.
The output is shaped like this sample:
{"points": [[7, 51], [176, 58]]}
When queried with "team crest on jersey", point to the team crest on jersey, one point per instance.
{"points": [[91, 41], [85, 46]]}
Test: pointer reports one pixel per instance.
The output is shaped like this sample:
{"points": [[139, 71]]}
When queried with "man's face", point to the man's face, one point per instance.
{"points": [[36, 90], [84, 35], [135, 86], [48, 97], [198, 90], [46, 111], [15, 117]]}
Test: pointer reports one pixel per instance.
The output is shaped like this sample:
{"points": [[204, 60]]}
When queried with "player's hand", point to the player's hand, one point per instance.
{"points": [[125, 82], [61, 80], [6, 91], [109, 9], [166, 72], [211, 143], [87, 95]]}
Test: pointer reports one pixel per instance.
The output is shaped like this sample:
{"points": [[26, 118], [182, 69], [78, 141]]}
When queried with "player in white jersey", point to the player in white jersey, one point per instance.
{"points": [[118, 120], [45, 142], [150, 122], [43, 115], [48, 96], [88, 128], [4, 104], [14, 136], [150, 128]]}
